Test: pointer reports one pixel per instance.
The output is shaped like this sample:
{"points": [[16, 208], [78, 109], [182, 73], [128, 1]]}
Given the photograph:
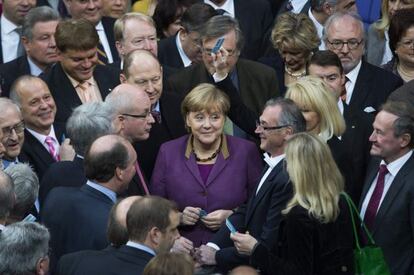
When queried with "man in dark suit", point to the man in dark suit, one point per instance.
{"points": [[77, 79], [149, 235], [404, 93], [261, 216], [255, 83], [38, 40], [92, 11], [387, 206], [254, 17], [367, 86], [11, 22], [6, 197], [77, 217], [87, 123], [184, 49], [44, 141], [327, 66], [132, 120], [143, 70]]}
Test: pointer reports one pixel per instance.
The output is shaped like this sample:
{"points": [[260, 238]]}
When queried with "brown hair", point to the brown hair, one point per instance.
{"points": [[76, 34]]}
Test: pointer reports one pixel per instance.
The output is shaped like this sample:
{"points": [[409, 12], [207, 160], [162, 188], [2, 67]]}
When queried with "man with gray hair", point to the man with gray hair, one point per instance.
{"points": [[87, 123], [24, 249], [255, 82], [38, 40], [367, 86], [6, 198], [26, 190]]}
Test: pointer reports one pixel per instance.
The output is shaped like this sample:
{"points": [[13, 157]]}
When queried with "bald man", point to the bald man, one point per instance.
{"points": [[77, 218]]}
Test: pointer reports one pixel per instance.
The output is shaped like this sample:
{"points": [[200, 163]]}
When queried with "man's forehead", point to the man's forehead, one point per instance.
{"points": [[323, 70], [346, 27]]}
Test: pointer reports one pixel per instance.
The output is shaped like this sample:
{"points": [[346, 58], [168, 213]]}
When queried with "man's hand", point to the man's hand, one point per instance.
{"points": [[206, 255], [182, 245], [244, 243], [66, 151]]}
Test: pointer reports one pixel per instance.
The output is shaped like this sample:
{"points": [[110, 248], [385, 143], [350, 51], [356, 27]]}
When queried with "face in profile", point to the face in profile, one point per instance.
{"points": [[171, 233]]}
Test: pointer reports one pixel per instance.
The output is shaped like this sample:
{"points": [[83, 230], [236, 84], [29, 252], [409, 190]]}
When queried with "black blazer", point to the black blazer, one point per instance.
{"points": [[62, 173], [168, 53], [64, 93], [261, 217], [257, 82], [307, 246], [171, 127], [10, 71], [372, 88], [108, 25], [36, 154], [393, 226], [125, 260], [77, 220]]}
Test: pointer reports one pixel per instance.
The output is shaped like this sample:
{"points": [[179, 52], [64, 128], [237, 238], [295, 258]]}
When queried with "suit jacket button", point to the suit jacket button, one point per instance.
{"points": [[344, 268]]}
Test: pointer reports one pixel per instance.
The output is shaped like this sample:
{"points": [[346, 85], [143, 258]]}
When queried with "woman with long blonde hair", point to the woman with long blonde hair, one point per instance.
{"points": [[315, 236]]}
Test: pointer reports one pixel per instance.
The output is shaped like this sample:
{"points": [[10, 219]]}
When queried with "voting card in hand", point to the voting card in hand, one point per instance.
{"points": [[230, 226]]}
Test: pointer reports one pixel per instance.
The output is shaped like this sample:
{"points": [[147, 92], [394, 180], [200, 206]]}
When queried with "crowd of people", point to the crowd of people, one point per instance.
{"points": [[204, 137]]}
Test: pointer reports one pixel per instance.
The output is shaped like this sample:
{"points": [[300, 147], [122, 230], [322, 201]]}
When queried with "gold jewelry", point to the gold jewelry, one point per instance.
{"points": [[295, 75]]}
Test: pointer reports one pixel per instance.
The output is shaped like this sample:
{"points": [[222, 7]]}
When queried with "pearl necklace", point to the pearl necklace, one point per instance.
{"points": [[295, 75]]}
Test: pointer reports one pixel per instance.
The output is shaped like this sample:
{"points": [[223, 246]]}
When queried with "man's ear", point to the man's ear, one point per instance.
{"points": [[42, 266], [155, 236], [122, 78], [405, 140]]}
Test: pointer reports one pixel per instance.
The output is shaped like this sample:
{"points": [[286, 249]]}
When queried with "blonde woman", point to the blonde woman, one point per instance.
{"points": [[315, 236], [295, 38], [378, 49]]}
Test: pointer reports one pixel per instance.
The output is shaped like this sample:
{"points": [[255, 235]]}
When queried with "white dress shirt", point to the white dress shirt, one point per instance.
{"points": [[104, 41], [319, 29], [298, 5], [42, 139], [9, 39], [393, 168], [141, 247], [272, 162], [350, 84], [34, 69], [227, 6], [186, 61]]}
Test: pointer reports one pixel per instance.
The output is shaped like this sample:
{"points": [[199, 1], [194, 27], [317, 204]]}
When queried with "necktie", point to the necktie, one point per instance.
{"points": [[102, 58], [141, 178], [156, 115], [52, 151], [343, 94], [375, 199], [289, 6], [85, 92], [20, 49]]}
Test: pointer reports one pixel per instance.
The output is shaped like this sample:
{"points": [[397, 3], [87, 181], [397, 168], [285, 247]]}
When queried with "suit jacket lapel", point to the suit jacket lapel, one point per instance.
{"points": [[67, 93], [191, 165], [105, 87], [256, 198], [360, 91], [372, 173], [217, 168], [392, 193]]}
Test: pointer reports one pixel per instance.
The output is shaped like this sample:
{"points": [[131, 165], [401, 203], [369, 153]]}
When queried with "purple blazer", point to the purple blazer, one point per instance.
{"points": [[230, 183]]}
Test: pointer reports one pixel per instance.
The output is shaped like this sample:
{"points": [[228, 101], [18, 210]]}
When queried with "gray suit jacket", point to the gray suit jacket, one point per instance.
{"points": [[375, 47], [393, 229]]}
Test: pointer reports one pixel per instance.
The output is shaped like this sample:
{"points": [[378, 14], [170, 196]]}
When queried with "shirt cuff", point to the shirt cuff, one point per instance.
{"points": [[213, 245]]}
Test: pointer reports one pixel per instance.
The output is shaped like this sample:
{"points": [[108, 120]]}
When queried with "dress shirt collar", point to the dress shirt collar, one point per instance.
{"points": [[42, 138], [108, 192], [99, 27], [224, 148], [76, 83], [298, 5], [34, 69], [141, 247], [227, 6], [157, 107], [7, 26], [319, 28], [6, 163], [353, 74], [395, 166], [186, 61], [273, 161]]}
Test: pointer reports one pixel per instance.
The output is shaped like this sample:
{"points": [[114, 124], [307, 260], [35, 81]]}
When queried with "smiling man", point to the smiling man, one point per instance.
{"points": [[38, 31], [77, 78]]}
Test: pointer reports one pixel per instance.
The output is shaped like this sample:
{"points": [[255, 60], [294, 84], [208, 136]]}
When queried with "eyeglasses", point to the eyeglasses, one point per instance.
{"points": [[339, 44], [229, 52], [407, 44], [264, 128], [143, 116], [18, 128]]}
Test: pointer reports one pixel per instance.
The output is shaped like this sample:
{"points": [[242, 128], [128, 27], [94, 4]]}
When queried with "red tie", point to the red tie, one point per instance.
{"points": [[52, 151], [141, 177], [374, 202]]}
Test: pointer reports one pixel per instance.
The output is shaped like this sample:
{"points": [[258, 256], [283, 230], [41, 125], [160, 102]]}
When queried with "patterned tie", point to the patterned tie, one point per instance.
{"points": [[20, 49], [343, 94], [52, 151], [102, 58], [374, 202], [141, 177]]}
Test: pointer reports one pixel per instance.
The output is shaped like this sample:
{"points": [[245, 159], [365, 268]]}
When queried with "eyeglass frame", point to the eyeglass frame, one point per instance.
{"points": [[9, 129], [353, 40], [270, 128], [143, 116]]}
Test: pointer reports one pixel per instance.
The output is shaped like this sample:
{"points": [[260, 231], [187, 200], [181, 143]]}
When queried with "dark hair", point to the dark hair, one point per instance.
{"points": [[167, 12], [196, 16], [100, 166], [220, 25], [404, 124], [76, 34], [290, 114], [116, 233], [6, 195], [401, 21], [146, 213], [326, 58], [37, 15]]}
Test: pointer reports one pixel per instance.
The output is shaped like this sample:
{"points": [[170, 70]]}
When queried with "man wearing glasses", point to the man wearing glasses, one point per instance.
{"points": [[254, 82], [367, 86]]}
